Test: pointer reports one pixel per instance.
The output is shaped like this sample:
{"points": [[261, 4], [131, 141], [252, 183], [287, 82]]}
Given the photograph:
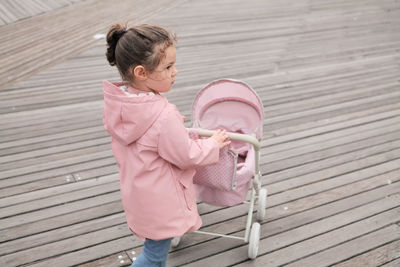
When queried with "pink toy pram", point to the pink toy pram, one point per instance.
{"points": [[234, 106]]}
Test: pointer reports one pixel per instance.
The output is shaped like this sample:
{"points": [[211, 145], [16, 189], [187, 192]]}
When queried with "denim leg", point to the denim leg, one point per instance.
{"points": [[154, 253]]}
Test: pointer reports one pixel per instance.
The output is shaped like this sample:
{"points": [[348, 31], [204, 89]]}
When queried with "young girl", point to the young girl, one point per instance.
{"points": [[155, 156]]}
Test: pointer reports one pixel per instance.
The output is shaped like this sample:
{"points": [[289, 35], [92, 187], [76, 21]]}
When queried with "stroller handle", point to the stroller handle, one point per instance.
{"points": [[233, 136]]}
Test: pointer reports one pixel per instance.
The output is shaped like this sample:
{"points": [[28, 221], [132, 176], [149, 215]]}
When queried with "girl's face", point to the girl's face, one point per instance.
{"points": [[162, 79]]}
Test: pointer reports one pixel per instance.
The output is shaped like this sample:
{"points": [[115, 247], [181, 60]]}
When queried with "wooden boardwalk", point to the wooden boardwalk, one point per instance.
{"points": [[328, 74], [12, 11]]}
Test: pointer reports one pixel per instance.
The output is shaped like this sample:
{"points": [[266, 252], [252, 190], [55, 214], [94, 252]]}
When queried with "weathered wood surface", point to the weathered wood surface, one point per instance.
{"points": [[15, 10], [328, 75], [27, 46]]}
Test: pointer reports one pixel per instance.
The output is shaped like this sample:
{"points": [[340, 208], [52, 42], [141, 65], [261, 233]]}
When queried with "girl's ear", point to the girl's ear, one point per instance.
{"points": [[139, 72]]}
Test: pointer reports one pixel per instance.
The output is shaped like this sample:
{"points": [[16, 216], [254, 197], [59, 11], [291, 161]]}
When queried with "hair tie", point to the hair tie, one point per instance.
{"points": [[123, 31]]}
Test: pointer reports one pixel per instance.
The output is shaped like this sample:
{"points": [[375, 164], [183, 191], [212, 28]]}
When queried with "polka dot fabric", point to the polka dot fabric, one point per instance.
{"points": [[221, 175]]}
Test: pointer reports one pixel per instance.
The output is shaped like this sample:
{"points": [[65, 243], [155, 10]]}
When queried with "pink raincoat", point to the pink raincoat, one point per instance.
{"points": [[156, 160]]}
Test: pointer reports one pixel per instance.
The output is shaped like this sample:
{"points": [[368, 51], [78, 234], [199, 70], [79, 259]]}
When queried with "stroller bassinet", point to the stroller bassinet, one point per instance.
{"points": [[234, 106]]}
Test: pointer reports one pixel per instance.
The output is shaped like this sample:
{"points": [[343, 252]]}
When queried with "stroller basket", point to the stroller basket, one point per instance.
{"points": [[214, 175]]}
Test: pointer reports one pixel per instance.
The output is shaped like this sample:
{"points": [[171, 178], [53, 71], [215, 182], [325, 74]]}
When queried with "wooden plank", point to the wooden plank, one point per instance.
{"points": [[298, 190], [94, 173], [51, 223], [70, 244], [60, 247], [116, 260], [280, 206], [89, 253], [65, 156], [354, 247], [43, 113], [334, 160], [332, 124], [299, 250], [58, 47], [52, 127], [273, 94], [290, 162], [59, 210], [330, 108], [54, 191], [52, 177], [12, 8], [327, 74], [330, 99], [380, 205], [60, 97], [375, 257], [53, 140], [326, 139], [393, 263], [5, 14], [272, 149], [78, 157], [368, 141], [287, 94], [360, 151], [278, 230], [44, 119], [299, 198], [51, 201], [282, 175], [340, 146], [41, 155], [62, 233]]}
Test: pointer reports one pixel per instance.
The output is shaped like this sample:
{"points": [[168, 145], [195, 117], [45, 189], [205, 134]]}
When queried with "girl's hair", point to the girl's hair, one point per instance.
{"points": [[139, 45]]}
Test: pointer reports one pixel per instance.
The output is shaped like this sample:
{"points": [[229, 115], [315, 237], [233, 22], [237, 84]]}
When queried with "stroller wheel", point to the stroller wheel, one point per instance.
{"points": [[175, 241], [262, 204], [254, 240]]}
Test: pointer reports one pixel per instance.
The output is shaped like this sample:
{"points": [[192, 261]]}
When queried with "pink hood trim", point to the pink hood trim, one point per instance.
{"points": [[119, 108]]}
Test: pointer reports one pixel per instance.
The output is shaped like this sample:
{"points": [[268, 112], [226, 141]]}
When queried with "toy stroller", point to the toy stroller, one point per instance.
{"points": [[234, 106]]}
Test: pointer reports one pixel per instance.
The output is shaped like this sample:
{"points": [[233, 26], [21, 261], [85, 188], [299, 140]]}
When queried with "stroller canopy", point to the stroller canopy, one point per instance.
{"points": [[229, 104]]}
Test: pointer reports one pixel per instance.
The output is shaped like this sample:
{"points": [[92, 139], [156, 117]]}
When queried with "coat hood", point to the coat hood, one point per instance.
{"points": [[128, 117]]}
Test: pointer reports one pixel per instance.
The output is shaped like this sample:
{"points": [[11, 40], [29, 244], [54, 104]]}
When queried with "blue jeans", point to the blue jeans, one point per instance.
{"points": [[154, 253]]}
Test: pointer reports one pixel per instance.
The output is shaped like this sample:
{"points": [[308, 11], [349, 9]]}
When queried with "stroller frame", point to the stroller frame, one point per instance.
{"points": [[252, 232]]}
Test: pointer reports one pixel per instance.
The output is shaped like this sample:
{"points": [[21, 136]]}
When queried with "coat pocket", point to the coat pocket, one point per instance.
{"points": [[188, 193]]}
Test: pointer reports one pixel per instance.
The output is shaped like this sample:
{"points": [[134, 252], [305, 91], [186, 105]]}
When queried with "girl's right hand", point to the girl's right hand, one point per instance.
{"points": [[221, 137]]}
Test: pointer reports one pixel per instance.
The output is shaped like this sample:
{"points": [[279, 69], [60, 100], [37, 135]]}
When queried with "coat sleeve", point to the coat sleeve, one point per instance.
{"points": [[175, 145]]}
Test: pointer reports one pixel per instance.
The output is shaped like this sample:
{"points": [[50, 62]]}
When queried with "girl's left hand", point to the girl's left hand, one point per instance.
{"points": [[221, 137]]}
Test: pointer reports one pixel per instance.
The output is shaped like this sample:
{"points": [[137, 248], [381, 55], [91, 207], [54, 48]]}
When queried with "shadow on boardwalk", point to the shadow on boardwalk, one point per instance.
{"points": [[327, 72]]}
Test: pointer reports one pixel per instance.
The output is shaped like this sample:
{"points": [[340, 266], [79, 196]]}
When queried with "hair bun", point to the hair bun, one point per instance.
{"points": [[114, 34]]}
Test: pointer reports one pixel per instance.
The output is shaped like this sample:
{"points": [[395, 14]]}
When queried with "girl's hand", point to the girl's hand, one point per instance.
{"points": [[221, 137]]}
